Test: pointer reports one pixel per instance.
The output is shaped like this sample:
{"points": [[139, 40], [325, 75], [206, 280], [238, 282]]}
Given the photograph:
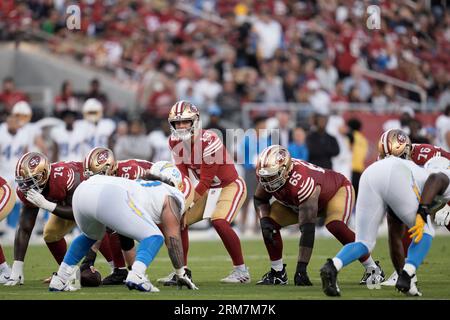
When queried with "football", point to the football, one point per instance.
{"points": [[90, 278]]}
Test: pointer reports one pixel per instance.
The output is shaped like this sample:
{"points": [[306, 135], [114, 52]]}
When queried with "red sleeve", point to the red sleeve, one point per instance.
{"points": [[214, 153], [62, 180], [178, 157], [207, 174]]}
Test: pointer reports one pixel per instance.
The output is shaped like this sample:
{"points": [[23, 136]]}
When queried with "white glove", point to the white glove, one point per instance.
{"points": [[184, 280], [442, 217], [39, 201], [16, 276]]}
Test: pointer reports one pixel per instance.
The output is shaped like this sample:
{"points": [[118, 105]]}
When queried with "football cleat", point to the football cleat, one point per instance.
{"points": [[4, 275], [274, 277], [407, 285], [118, 276], [328, 274], [370, 271], [391, 281], [139, 282], [171, 279], [58, 284], [237, 276]]}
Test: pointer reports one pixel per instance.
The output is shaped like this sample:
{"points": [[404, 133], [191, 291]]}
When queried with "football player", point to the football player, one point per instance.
{"points": [[396, 142], [7, 200], [409, 191], [302, 192], [133, 208], [202, 153], [49, 187], [102, 161]]}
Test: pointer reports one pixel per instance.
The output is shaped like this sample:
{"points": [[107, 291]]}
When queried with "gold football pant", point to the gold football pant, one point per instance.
{"points": [[7, 200], [56, 228]]}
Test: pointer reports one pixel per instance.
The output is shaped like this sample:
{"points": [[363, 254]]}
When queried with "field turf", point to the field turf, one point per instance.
{"points": [[209, 263]]}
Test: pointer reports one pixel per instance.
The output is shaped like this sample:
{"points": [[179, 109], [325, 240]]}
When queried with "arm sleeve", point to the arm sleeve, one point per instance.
{"points": [[208, 172]]}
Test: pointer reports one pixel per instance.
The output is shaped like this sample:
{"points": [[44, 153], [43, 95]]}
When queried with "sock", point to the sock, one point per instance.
{"points": [[78, 249], [406, 240], [2, 256], [275, 249], [241, 267], [58, 249], [344, 235], [65, 270], [139, 267], [230, 240], [410, 269], [277, 265], [352, 251], [185, 241], [418, 251], [368, 263], [337, 263], [148, 248], [105, 249], [116, 250]]}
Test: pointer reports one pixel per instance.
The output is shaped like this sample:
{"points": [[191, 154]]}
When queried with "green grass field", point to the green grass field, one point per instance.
{"points": [[210, 262]]}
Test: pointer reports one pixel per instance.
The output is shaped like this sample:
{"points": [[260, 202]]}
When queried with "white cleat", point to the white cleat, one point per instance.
{"points": [[139, 282], [237, 276], [58, 284], [4, 275], [168, 280], [391, 281]]}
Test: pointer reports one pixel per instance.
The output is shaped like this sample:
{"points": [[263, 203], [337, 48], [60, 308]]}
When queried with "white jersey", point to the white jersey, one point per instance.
{"points": [[12, 147], [442, 127], [158, 142], [96, 135], [70, 143], [147, 196]]}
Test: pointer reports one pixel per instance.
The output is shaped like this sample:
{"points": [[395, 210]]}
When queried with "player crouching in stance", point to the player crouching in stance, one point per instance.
{"points": [[7, 201], [409, 191], [132, 208], [302, 191]]}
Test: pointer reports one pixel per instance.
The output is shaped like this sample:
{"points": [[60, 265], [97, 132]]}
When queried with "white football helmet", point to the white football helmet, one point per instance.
{"points": [[437, 164], [92, 110], [168, 170]]}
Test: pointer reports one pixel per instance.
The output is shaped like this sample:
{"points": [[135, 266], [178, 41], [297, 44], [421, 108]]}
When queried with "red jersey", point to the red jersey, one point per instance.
{"points": [[302, 181], [207, 159], [132, 169], [421, 153], [64, 178]]}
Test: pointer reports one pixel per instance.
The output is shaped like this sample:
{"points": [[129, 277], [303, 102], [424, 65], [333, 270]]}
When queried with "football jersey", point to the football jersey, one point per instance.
{"points": [[145, 195], [12, 147], [421, 153], [63, 180], [132, 169], [69, 142], [207, 159], [302, 181], [96, 135]]}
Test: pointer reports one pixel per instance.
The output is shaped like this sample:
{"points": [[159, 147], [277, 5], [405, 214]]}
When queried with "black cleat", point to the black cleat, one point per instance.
{"points": [[407, 284], [172, 280], [117, 277], [328, 274], [274, 277], [369, 271]]}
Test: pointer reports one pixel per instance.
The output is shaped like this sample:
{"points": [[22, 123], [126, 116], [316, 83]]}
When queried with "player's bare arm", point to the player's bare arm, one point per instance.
{"points": [[307, 223], [396, 230], [262, 208], [26, 224]]}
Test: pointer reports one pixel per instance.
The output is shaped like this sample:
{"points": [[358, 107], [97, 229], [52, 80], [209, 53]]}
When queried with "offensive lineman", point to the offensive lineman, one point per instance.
{"points": [[7, 200]]}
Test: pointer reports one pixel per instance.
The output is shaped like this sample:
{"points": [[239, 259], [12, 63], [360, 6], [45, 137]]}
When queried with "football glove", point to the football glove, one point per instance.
{"points": [[417, 230], [268, 230], [442, 217], [16, 276], [183, 279], [39, 201]]}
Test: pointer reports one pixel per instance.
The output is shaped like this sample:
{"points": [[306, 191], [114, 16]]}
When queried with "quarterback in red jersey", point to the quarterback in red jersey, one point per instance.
{"points": [[49, 187], [7, 200], [397, 143], [302, 192], [202, 153]]}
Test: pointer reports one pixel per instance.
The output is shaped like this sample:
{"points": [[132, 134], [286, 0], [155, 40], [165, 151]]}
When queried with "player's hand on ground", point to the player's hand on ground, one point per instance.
{"points": [[417, 231], [442, 217], [268, 229], [185, 280], [302, 279]]}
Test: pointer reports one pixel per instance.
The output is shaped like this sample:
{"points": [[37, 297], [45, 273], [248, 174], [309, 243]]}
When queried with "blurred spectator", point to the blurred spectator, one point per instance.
{"points": [[135, 144], [67, 139], [229, 101], [360, 148], [321, 145], [162, 98], [158, 140], [269, 34], [416, 133], [327, 75], [281, 128], [318, 98], [10, 95], [337, 127], [96, 93], [290, 85], [215, 113], [297, 148], [207, 89], [443, 129], [66, 100], [357, 81], [407, 114]]}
